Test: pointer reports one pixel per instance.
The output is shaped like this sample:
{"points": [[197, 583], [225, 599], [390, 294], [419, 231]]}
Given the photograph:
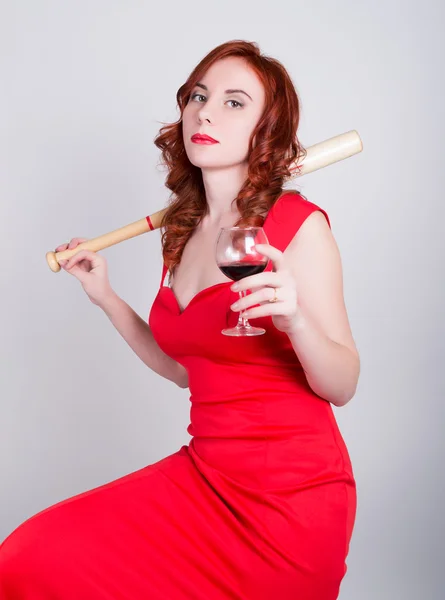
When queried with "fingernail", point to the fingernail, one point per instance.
{"points": [[234, 287], [235, 305]]}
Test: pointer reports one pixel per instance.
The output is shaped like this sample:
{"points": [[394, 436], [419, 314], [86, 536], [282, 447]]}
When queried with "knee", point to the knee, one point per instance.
{"points": [[24, 562], [13, 564]]}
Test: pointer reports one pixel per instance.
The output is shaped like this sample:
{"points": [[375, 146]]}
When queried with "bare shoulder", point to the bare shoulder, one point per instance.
{"points": [[314, 258]]}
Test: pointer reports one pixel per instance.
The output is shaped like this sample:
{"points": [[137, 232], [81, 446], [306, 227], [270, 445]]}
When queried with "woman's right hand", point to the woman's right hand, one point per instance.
{"points": [[90, 269]]}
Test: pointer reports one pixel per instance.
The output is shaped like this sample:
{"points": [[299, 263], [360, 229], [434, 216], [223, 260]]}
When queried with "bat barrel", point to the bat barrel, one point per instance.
{"points": [[329, 152]]}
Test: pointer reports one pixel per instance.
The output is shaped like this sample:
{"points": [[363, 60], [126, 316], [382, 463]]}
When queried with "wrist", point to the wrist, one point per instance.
{"points": [[297, 324], [109, 303]]}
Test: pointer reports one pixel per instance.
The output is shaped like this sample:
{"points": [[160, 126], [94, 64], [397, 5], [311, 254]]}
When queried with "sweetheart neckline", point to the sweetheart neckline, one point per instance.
{"points": [[206, 289], [217, 285]]}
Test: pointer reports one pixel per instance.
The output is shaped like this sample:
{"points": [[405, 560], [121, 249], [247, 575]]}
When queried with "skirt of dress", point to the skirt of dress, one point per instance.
{"points": [[163, 532]]}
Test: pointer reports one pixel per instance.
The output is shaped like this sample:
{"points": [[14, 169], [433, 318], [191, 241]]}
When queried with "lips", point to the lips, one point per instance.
{"points": [[199, 138]]}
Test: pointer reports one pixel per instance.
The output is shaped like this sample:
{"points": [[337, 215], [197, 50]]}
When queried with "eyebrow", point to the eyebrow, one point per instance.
{"points": [[204, 87]]}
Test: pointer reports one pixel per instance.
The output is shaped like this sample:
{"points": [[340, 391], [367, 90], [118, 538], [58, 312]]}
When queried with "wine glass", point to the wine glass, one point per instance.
{"points": [[237, 258]]}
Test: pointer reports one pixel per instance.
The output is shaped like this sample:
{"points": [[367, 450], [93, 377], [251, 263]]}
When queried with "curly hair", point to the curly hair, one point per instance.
{"points": [[276, 148]]}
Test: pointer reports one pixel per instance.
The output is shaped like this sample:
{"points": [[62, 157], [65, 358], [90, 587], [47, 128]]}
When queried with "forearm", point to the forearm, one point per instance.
{"points": [[138, 335], [331, 369]]}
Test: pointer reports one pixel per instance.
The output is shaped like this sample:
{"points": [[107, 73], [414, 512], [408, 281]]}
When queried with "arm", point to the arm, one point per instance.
{"points": [[322, 339], [332, 369], [137, 333]]}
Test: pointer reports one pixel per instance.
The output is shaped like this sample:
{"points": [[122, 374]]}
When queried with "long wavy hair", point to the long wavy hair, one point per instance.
{"points": [[276, 148]]}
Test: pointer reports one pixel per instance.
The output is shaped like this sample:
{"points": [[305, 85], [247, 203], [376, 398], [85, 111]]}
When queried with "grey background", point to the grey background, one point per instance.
{"points": [[84, 88]]}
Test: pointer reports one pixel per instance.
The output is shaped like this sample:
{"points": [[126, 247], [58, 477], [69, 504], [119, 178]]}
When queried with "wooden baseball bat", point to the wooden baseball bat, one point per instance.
{"points": [[318, 156]]}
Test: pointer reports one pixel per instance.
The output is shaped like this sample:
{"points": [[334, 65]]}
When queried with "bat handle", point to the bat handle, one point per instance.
{"points": [[53, 263], [52, 258], [104, 241]]}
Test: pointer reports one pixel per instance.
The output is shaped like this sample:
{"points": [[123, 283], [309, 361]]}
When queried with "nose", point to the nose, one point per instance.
{"points": [[204, 115]]}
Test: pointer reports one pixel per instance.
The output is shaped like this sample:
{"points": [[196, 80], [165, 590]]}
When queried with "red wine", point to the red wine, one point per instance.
{"points": [[237, 271]]}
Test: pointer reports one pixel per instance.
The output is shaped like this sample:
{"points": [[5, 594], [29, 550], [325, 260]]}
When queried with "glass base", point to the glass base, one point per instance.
{"points": [[243, 331]]}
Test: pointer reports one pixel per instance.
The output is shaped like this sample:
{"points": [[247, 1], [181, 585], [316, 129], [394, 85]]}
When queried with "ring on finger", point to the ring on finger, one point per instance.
{"points": [[274, 299]]}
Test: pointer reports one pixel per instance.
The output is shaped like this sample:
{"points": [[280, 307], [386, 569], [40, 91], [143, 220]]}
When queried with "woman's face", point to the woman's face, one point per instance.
{"points": [[228, 117]]}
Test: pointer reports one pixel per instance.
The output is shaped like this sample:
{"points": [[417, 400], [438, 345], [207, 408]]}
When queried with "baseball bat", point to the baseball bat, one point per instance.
{"points": [[317, 156]]}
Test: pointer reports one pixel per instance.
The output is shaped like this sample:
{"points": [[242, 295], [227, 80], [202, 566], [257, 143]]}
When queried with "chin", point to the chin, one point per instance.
{"points": [[201, 161], [204, 160]]}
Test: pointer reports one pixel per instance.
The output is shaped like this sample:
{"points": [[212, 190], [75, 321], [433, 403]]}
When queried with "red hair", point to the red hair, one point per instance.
{"points": [[276, 148]]}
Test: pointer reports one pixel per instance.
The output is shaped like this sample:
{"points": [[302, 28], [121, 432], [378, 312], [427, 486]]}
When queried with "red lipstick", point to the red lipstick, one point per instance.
{"points": [[199, 138]]}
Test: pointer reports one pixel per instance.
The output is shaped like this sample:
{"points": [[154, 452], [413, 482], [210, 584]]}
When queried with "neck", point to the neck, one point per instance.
{"points": [[222, 186]]}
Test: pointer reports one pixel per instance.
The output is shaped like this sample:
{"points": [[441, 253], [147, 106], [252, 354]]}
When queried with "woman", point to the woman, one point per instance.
{"points": [[261, 503]]}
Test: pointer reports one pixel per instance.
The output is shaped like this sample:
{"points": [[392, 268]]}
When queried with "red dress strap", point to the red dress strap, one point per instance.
{"points": [[286, 217], [164, 268], [164, 271]]}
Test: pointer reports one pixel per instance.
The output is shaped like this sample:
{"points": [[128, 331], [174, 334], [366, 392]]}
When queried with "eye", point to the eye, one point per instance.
{"points": [[239, 104], [236, 102], [195, 95]]}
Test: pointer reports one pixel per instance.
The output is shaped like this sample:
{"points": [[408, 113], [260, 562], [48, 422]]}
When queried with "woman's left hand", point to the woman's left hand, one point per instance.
{"points": [[280, 282]]}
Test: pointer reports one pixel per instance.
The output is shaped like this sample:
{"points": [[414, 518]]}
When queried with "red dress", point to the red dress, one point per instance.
{"points": [[259, 505]]}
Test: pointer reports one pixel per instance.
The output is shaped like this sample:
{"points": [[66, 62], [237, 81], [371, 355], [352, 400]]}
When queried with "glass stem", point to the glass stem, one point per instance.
{"points": [[242, 321]]}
